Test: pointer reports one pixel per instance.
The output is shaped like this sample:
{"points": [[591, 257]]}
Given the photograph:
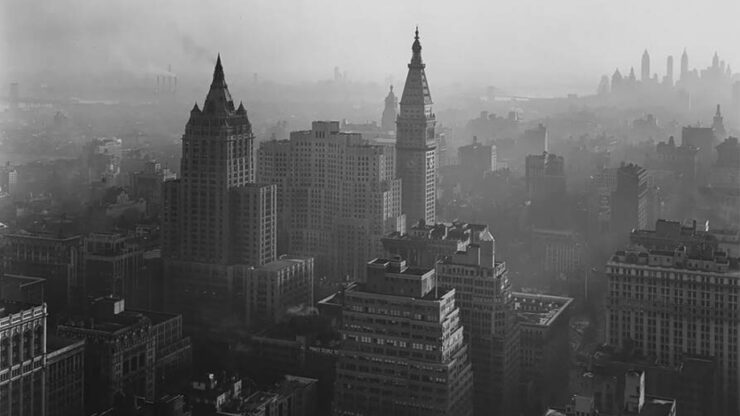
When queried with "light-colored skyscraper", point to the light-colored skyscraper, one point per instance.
{"points": [[416, 143], [645, 67], [669, 71], [343, 196], [684, 65]]}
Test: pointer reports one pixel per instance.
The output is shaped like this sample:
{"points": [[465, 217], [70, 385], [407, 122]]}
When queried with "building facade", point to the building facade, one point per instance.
{"points": [[670, 303], [215, 218], [51, 256], [416, 143], [630, 199], [545, 175], [402, 349], [113, 264], [483, 293], [22, 359], [343, 197], [273, 288], [65, 376]]}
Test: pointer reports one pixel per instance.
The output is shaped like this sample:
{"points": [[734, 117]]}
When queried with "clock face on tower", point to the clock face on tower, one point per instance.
{"points": [[411, 163]]}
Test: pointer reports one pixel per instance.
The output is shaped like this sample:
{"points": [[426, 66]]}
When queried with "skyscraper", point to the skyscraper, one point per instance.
{"points": [[718, 125], [487, 312], [343, 196], [630, 199], [215, 217], [403, 351], [669, 71], [388, 122], [416, 143], [545, 175], [645, 68], [684, 65]]}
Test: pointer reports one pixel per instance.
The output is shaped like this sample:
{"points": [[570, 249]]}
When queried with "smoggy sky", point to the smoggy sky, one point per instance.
{"points": [[532, 45]]}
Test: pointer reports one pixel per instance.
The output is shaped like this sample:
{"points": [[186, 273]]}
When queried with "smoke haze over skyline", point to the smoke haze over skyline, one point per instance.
{"points": [[529, 46]]}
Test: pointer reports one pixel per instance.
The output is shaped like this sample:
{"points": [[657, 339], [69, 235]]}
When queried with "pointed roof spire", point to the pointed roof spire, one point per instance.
{"points": [[416, 48], [195, 108], [218, 73], [241, 109], [218, 99]]}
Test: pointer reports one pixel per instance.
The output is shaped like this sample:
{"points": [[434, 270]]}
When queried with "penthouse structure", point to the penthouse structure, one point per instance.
{"points": [[424, 244], [403, 350], [483, 293], [343, 196], [670, 303]]}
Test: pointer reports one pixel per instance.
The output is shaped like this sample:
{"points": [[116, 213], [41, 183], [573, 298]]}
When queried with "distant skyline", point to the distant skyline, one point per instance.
{"points": [[528, 46]]}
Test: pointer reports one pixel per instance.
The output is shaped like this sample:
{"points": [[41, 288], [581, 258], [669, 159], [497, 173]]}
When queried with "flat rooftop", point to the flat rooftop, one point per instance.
{"points": [[540, 309]]}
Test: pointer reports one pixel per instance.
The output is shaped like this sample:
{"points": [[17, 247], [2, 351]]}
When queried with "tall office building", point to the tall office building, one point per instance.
{"points": [[416, 143], [672, 303], [215, 217], [273, 166], [545, 175], [668, 71], [403, 350], [343, 197], [645, 67], [388, 122], [684, 65], [483, 294], [630, 199]]}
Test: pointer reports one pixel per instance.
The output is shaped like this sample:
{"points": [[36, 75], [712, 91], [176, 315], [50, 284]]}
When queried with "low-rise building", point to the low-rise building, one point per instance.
{"points": [[273, 288]]}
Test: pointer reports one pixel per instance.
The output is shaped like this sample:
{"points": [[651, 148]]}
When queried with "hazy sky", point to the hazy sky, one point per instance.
{"points": [[531, 43]]}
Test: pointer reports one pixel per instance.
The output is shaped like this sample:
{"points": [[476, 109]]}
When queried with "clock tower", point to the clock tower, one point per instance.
{"points": [[416, 143]]}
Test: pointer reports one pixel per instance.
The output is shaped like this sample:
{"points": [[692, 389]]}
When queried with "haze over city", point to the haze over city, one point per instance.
{"points": [[527, 47], [311, 208]]}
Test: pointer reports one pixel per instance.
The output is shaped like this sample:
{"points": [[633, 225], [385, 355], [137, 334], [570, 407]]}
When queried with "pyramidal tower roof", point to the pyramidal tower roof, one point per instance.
{"points": [[218, 100], [416, 89]]}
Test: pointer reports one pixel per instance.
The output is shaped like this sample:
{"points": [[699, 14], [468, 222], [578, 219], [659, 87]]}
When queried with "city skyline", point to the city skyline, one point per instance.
{"points": [[484, 44]]}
